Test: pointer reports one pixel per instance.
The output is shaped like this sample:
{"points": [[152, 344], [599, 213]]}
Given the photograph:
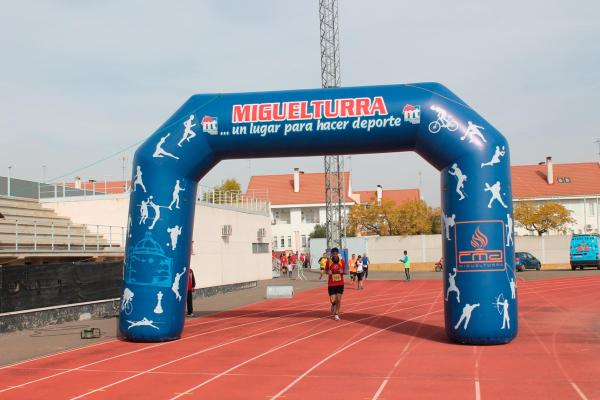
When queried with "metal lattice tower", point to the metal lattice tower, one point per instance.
{"points": [[334, 165]]}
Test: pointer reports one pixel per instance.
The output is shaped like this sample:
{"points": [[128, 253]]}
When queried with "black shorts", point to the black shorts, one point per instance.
{"points": [[360, 275], [335, 290]]}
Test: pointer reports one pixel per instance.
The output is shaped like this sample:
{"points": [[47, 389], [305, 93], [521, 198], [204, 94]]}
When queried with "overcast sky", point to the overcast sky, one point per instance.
{"points": [[81, 80]]}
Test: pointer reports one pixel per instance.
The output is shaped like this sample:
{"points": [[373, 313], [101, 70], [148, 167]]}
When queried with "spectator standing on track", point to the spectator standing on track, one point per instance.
{"points": [[406, 261], [352, 263], [335, 270], [191, 284], [283, 264], [366, 262], [360, 271], [322, 264], [291, 264]]}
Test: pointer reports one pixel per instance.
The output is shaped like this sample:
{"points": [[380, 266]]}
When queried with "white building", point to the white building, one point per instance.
{"points": [[298, 204], [575, 186]]}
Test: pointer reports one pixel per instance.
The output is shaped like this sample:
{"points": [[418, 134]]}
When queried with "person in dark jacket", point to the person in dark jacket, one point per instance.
{"points": [[191, 284]]}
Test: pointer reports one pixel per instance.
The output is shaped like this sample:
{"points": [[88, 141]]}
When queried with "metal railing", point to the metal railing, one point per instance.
{"points": [[20, 236], [253, 200], [81, 189]]}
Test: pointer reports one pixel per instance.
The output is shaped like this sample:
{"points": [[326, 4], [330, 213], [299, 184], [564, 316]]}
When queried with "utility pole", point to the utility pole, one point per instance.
{"points": [[597, 141], [334, 165]]}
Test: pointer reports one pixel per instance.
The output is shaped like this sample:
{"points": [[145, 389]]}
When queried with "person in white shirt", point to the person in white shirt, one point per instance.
{"points": [[360, 271]]}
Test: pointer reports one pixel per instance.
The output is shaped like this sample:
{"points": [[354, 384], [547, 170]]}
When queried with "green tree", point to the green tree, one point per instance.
{"points": [[229, 185], [542, 218], [388, 218], [318, 232]]}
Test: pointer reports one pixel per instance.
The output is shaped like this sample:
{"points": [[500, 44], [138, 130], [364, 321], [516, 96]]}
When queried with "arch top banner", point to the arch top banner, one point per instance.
{"points": [[427, 118]]}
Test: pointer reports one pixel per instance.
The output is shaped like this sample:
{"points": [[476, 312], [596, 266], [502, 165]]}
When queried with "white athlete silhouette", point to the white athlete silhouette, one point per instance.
{"points": [[473, 130], [188, 133], [143, 211], [513, 289], [466, 315], [448, 222], [156, 209], [460, 178], [126, 301], [137, 179], [174, 232], [143, 322], [495, 158], [129, 226], [159, 152], [175, 286], [443, 121], [158, 309], [452, 287], [495, 190], [509, 230], [176, 191], [505, 319]]}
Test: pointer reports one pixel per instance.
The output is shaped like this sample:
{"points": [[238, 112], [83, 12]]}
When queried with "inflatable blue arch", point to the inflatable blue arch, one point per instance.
{"points": [[471, 155]]}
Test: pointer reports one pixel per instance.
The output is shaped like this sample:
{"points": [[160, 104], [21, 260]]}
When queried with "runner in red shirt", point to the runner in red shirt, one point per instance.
{"points": [[335, 269]]}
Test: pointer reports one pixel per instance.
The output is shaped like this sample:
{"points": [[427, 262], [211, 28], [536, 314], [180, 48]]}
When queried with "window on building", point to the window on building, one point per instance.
{"points": [[282, 242], [274, 242], [304, 241], [258, 248], [310, 215], [289, 241]]}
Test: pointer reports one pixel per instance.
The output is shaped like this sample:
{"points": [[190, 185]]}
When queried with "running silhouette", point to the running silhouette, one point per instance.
{"points": [[159, 152], [466, 315], [495, 190], [460, 180], [188, 133], [176, 191]]}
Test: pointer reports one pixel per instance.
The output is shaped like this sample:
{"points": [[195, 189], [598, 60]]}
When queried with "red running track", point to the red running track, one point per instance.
{"points": [[390, 344]]}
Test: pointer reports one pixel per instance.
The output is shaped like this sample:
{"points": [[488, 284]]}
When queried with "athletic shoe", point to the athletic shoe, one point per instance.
{"points": [[336, 317]]}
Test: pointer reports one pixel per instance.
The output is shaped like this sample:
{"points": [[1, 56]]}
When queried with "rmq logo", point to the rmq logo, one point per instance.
{"points": [[210, 125], [481, 247]]}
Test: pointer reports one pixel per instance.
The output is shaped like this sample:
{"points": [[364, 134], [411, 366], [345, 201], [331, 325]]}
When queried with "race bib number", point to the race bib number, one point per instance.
{"points": [[336, 277]]}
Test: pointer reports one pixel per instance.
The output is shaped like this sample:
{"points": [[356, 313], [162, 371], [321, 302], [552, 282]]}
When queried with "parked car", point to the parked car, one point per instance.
{"points": [[584, 251], [524, 260]]}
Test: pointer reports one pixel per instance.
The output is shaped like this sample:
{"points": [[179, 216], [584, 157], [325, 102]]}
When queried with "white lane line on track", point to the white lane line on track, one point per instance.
{"points": [[152, 347], [404, 352], [381, 387], [299, 378], [222, 345], [477, 391], [553, 353], [579, 392], [298, 340]]}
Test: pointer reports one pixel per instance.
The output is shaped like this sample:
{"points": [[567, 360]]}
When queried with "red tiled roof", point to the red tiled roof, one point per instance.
{"points": [[280, 188], [529, 181], [396, 195]]}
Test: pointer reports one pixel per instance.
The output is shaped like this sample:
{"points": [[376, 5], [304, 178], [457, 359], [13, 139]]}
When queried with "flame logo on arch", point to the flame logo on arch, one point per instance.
{"points": [[479, 240]]}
